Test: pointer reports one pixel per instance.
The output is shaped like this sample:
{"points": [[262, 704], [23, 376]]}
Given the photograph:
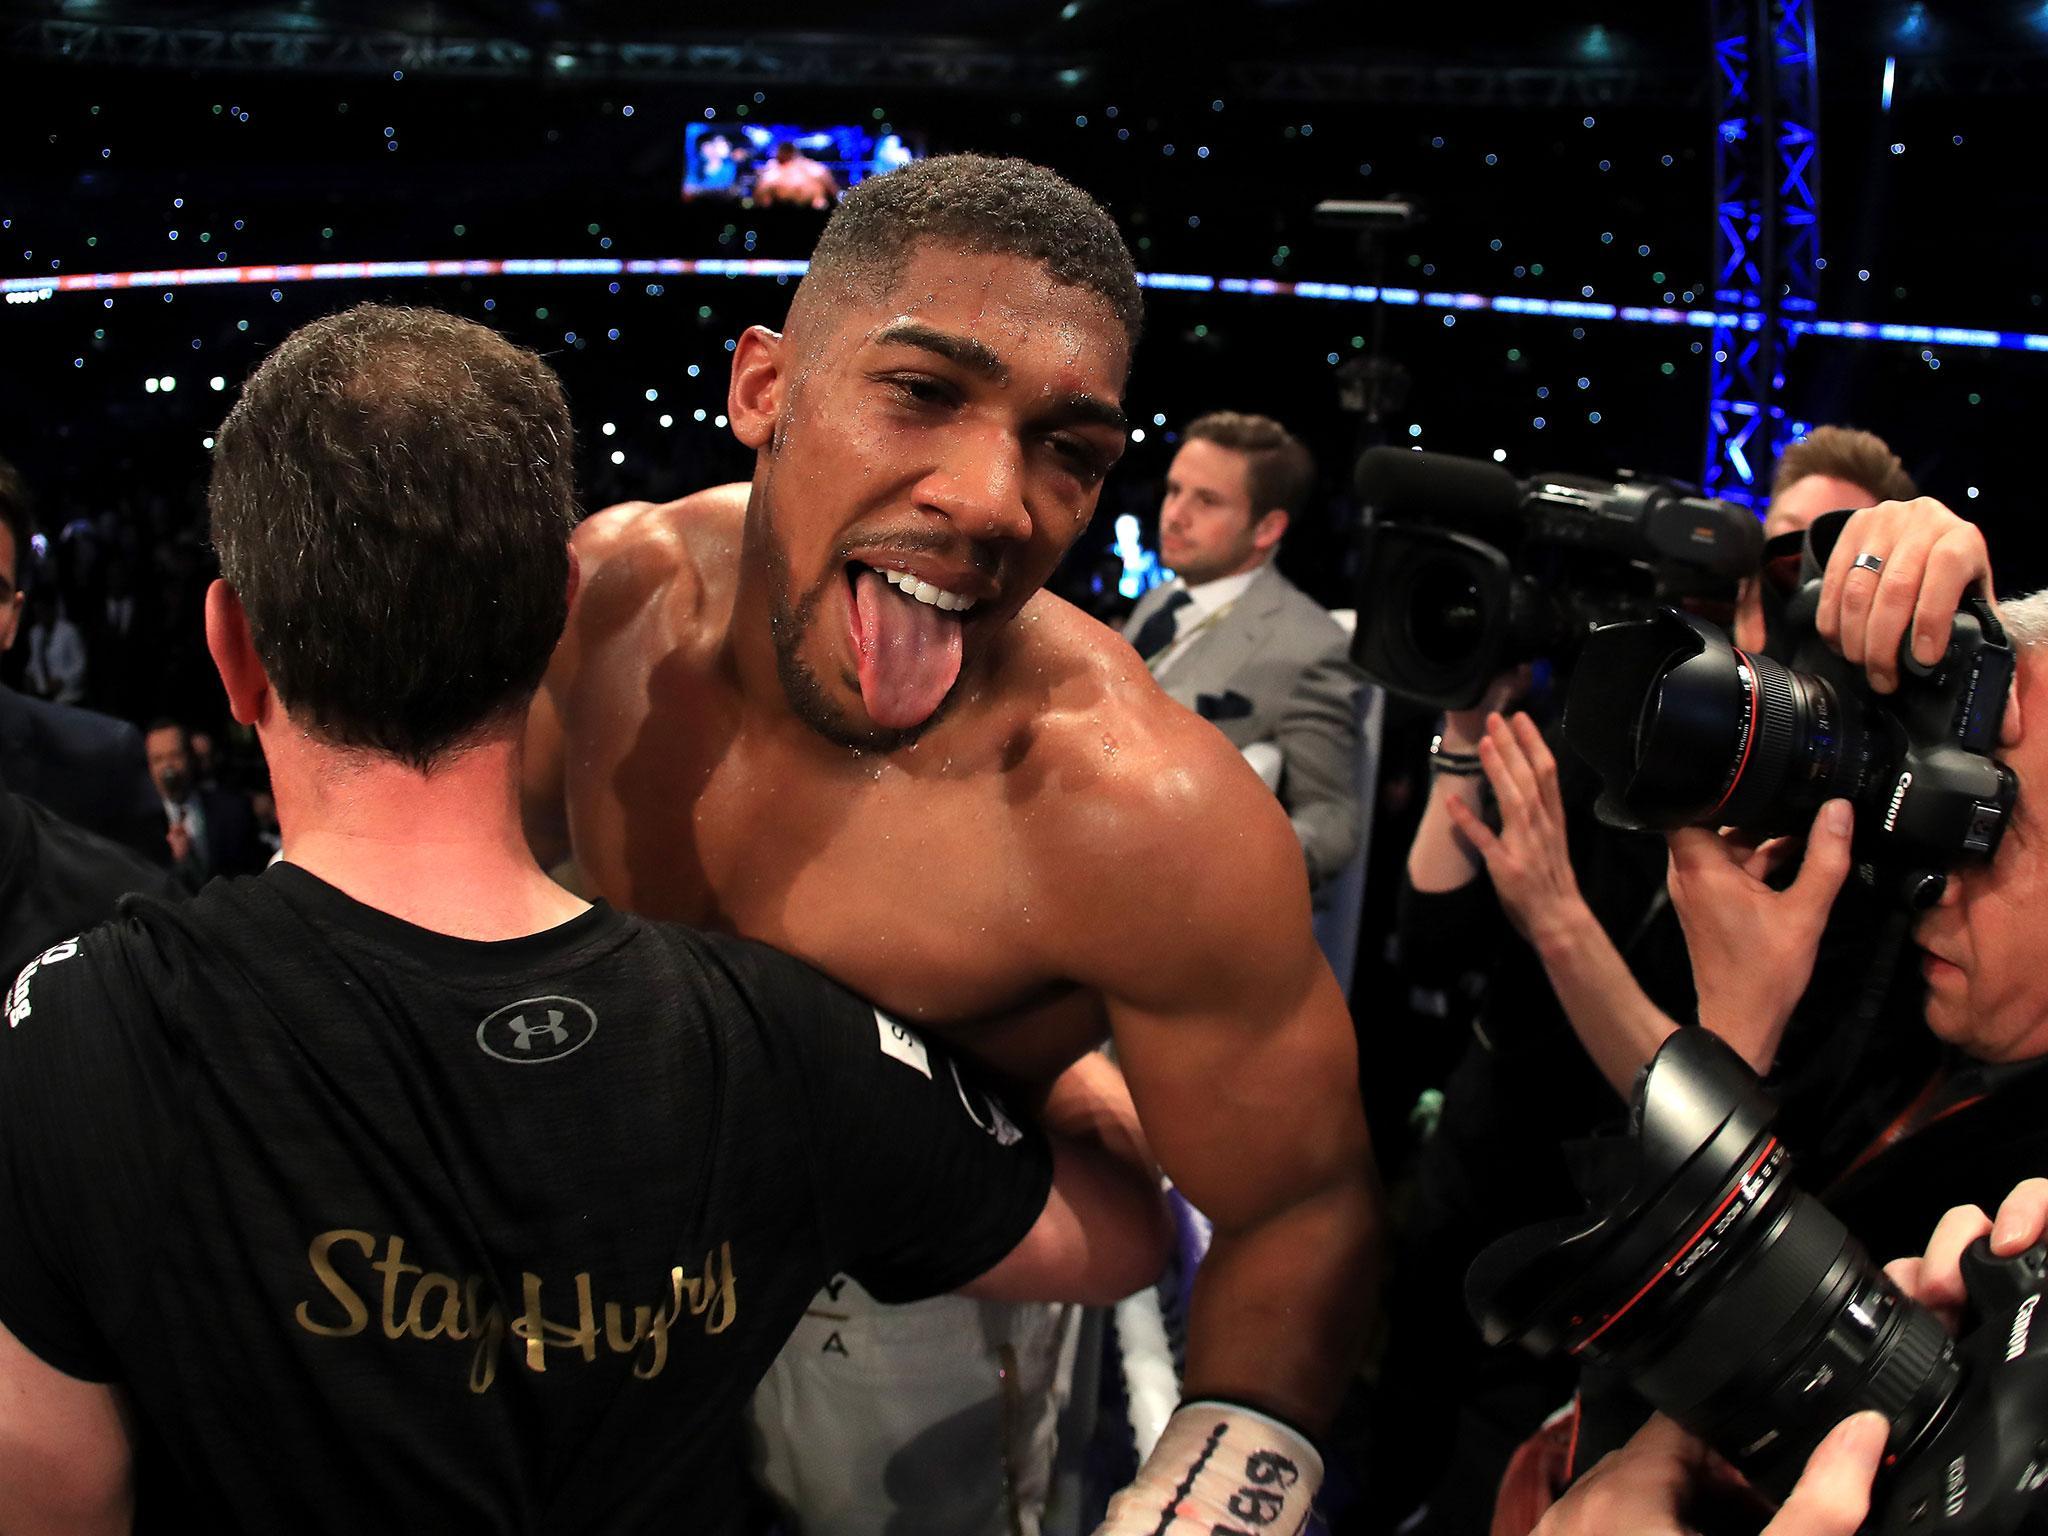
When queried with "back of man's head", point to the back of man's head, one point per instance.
{"points": [[1845, 453], [1279, 470], [392, 499], [972, 203]]}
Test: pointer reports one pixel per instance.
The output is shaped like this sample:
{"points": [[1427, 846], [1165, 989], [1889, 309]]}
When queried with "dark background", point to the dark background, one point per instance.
{"points": [[1559, 153], [1564, 154]]}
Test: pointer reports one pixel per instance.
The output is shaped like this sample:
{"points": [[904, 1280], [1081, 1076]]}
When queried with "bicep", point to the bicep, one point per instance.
{"points": [[1250, 1100], [64, 1450], [1185, 906], [1231, 1030]]}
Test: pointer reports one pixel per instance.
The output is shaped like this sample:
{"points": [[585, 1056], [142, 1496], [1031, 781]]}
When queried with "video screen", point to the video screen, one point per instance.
{"points": [[786, 163]]}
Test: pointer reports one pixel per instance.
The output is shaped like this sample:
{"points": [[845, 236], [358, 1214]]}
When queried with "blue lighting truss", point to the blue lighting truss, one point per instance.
{"points": [[1767, 261]]}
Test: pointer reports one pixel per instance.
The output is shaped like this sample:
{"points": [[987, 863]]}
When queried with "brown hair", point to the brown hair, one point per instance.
{"points": [[1846, 453], [1279, 472], [392, 499]]}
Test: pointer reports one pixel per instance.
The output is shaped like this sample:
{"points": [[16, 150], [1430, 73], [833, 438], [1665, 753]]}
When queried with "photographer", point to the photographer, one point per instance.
{"points": [[1529, 860], [1752, 944], [1976, 1124], [1579, 1023], [1645, 1488], [1898, 571]]}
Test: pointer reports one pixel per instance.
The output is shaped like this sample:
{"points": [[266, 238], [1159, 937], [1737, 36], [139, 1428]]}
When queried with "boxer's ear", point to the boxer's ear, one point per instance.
{"points": [[234, 654], [755, 397]]}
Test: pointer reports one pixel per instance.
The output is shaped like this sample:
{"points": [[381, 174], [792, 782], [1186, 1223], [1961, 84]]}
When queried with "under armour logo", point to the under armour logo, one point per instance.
{"points": [[525, 1031], [537, 1029]]}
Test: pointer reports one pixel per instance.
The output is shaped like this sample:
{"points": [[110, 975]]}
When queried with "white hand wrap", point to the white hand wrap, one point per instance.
{"points": [[1220, 1470]]}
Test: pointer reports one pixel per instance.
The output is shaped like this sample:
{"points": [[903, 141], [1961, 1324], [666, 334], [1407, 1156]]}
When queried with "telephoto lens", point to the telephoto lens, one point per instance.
{"points": [[1731, 1300], [1721, 736], [1685, 729]]}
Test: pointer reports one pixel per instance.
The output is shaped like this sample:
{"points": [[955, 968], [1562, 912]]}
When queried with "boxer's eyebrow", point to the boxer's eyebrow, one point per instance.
{"points": [[1093, 410], [961, 350]]}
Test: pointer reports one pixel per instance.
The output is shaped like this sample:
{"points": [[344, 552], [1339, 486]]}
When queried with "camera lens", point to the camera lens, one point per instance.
{"points": [[1445, 619], [1792, 742], [1772, 1325], [1719, 735], [1729, 1298]]}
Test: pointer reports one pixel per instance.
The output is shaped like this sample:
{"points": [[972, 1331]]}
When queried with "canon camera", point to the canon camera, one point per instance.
{"points": [[1686, 729], [1734, 1302]]}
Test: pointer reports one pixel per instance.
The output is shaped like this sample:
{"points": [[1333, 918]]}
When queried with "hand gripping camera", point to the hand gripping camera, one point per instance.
{"points": [[1686, 730], [1734, 1302]]}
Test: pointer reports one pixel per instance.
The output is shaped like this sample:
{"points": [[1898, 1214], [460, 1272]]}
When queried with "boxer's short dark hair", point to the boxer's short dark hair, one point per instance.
{"points": [[392, 499], [978, 203]]}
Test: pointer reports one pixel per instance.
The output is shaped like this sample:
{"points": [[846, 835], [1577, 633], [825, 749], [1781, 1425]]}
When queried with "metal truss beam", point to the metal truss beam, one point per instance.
{"points": [[2015, 74], [1766, 231], [794, 60], [817, 60], [1467, 85]]}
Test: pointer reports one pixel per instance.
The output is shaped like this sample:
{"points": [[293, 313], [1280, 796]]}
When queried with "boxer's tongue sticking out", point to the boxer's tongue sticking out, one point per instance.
{"points": [[908, 645]]}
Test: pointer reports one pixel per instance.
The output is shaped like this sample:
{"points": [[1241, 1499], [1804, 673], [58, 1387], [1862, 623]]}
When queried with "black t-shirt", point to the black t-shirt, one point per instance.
{"points": [[383, 1229]]}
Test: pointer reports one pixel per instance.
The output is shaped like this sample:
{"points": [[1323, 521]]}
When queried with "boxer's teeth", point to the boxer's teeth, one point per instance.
{"points": [[925, 592]]}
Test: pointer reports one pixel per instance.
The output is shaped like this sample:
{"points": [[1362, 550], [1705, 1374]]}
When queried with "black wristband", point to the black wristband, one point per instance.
{"points": [[1459, 764], [1438, 753]]}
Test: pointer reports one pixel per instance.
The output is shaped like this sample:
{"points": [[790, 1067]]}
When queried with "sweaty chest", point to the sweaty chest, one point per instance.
{"points": [[908, 888]]}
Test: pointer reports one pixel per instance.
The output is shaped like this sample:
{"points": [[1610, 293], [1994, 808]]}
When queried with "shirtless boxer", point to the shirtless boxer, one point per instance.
{"points": [[833, 710]]}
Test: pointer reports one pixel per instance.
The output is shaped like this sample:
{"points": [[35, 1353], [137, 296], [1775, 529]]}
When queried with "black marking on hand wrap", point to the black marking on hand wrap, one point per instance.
{"points": [[1187, 1484]]}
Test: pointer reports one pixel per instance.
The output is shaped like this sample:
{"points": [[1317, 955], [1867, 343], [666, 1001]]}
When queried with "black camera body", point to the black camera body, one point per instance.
{"points": [[1467, 571], [1684, 729], [1737, 1304]]}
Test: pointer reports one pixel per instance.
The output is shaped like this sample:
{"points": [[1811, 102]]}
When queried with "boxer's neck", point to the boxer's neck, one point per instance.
{"points": [[444, 850]]}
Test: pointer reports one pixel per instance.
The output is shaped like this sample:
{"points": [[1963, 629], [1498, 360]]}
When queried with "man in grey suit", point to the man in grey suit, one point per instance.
{"points": [[1239, 643]]}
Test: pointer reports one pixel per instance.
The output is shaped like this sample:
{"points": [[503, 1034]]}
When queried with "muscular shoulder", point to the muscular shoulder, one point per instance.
{"points": [[683, 551], [1135, 798]]}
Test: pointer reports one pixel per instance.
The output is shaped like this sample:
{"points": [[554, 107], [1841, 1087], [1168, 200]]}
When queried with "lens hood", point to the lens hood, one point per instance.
{"points": [[1698, 1113]]}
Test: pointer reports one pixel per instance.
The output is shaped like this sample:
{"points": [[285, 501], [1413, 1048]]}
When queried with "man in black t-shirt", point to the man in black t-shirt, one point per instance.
{"points": [[398, 1188]]}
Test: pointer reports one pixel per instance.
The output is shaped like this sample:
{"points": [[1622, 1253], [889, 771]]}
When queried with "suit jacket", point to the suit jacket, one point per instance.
{"points": [[88, 768], [232, 846], [224, 839], [57, 880], [1275, 667]]}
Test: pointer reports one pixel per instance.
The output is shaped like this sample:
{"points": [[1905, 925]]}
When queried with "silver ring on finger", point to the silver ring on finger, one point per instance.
{"points": [[1867, 562]]}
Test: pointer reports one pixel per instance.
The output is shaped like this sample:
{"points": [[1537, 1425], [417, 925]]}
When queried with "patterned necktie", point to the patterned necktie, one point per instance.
{"points": [[1156, 633]]}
